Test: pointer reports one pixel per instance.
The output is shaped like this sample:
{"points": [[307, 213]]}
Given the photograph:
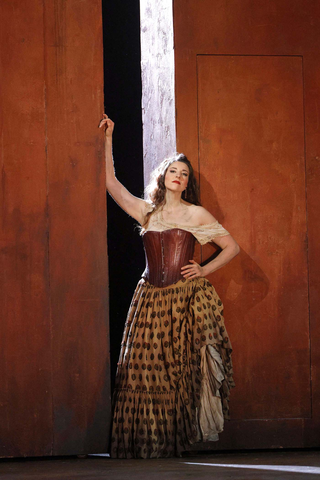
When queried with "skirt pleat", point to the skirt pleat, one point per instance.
{"points": [[174, 373]]}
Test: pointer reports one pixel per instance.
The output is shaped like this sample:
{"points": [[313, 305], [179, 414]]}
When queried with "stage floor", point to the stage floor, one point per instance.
{"points": [[248, 465]]}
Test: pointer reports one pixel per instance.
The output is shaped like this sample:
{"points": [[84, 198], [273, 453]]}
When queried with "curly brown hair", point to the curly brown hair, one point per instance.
{"points": [[155, 191]]}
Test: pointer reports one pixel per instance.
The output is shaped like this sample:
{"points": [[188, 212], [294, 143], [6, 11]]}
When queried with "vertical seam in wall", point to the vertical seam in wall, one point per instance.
{"points": [[198, 133], [198, 121], [307, 233], [47, 216]]}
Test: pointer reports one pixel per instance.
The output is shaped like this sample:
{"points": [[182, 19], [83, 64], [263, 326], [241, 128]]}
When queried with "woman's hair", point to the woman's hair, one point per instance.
{"points": [[156, 190]]}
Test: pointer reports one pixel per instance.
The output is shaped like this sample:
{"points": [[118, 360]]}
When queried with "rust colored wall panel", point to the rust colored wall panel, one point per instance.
{"points": [[54, 361], [25, 337], [251, 138], [78, 260], [256, 29]]}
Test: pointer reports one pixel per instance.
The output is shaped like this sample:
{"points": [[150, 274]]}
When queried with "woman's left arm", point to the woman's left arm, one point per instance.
{"points": [[230, 249]]}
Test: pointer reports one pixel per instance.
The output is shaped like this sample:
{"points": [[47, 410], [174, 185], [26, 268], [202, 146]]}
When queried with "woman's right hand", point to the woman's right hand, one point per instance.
{"points": [[108, 125]]}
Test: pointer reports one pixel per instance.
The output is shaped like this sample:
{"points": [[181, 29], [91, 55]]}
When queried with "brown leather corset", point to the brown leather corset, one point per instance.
{"points": [[166, 252]]}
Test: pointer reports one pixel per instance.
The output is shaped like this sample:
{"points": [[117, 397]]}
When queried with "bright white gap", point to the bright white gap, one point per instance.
{"points": [[278, 468], [157, 76]]}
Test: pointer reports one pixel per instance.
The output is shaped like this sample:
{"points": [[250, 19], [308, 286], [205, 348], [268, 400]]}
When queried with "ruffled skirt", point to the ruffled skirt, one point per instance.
{"points": [[174, 373]]}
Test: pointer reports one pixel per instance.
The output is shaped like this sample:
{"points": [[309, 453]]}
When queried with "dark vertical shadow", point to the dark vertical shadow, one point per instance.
{"points": [[122, 76]]}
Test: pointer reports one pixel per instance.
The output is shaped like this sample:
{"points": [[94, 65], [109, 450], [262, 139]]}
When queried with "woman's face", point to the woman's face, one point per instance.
{"points": [[177, 176]]}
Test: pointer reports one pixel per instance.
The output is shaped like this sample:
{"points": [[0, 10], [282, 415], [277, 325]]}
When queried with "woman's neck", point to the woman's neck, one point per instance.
{"points": [[172, 200]]}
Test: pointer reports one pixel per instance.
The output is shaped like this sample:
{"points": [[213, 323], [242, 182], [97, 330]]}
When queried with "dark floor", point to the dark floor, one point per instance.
{"points": [[262, 465]]}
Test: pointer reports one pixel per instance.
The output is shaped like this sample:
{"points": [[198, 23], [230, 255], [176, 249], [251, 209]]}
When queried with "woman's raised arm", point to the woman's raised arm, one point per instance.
{"points": [[136, 207]]}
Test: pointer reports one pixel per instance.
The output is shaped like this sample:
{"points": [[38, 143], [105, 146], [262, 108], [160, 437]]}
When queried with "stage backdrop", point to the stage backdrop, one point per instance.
{"points": [[247, 93], [54, 351]]}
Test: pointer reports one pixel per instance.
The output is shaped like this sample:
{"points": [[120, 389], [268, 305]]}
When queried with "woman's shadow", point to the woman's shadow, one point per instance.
{"points": [[241, 283]]}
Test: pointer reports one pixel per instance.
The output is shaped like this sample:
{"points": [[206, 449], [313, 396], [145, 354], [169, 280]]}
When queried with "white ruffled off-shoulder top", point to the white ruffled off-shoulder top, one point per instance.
{"points": [[203, 233]]}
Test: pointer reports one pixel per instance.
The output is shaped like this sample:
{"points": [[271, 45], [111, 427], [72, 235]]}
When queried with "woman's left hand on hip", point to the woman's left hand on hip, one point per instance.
{"points": [[192, 271]]}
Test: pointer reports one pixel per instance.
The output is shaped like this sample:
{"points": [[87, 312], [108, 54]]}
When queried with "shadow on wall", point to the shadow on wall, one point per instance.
{"points": [[244, 273]]}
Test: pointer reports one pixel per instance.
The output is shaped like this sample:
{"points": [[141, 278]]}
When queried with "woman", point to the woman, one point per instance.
{"points": [[175, 369]]}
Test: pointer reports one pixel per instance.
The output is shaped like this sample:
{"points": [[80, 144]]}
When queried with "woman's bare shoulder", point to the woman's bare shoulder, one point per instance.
{"points": [[202, 216]]}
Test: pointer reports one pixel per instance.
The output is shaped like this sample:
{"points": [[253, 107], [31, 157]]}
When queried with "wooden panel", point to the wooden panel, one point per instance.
{"points": [[25, 337], [275, 28], [251, 138], [77, 204], [54, 361]]}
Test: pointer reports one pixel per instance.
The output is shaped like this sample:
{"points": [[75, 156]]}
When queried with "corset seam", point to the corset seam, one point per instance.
{"points": [[162, 259]]}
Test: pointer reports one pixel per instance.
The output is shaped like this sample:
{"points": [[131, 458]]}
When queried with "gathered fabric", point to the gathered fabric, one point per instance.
{"points": [[203, 233], [174, 373]]}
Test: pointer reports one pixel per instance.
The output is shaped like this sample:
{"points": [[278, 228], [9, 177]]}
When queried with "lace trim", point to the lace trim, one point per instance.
{"points": [[203, 233]]}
